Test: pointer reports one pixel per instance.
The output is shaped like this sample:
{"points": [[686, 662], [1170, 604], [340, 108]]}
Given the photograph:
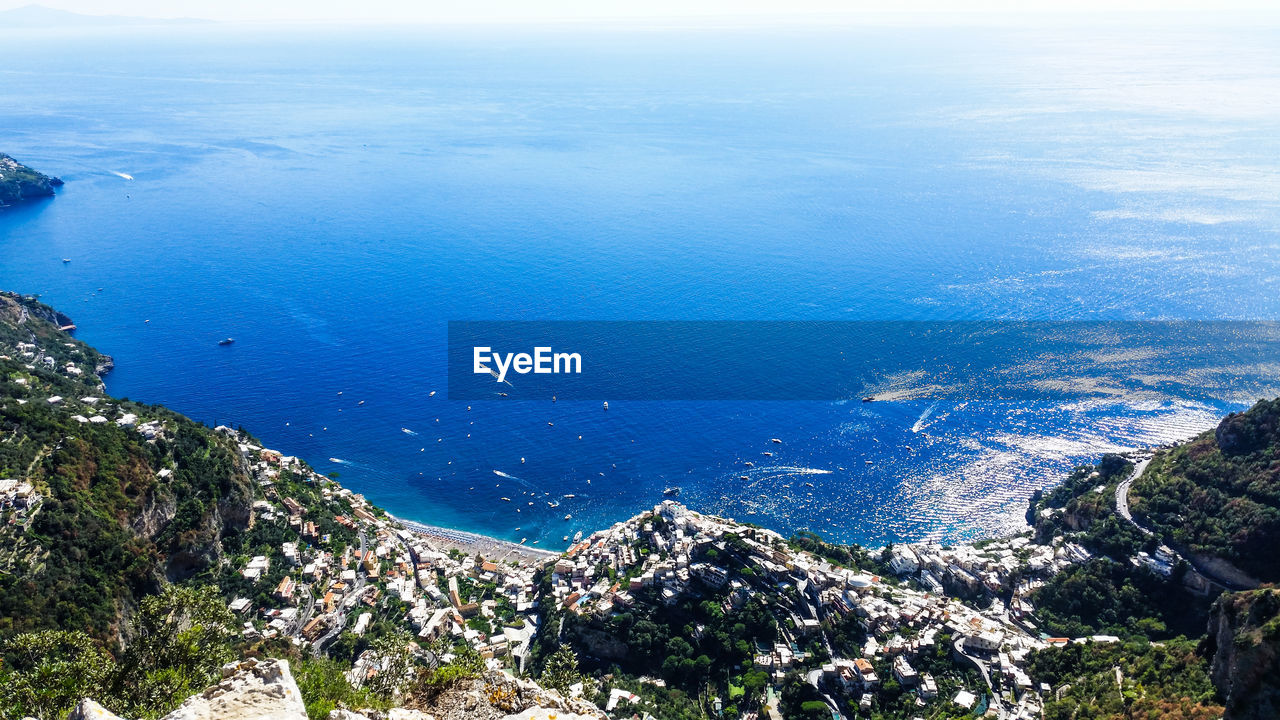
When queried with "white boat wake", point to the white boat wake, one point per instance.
{"points": [[779, 470], [920, 423]]}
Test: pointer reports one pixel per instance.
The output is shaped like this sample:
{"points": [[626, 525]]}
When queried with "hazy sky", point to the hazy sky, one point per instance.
{"points": [[524, 10]]}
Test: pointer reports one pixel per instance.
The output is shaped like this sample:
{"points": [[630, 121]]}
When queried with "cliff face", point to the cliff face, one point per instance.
{"points": [[19, 182], [1244, 630]]}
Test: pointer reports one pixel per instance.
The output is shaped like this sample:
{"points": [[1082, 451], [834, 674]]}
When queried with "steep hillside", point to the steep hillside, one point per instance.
{"points": [[100, 499], [1218, 496], [19, 182]]}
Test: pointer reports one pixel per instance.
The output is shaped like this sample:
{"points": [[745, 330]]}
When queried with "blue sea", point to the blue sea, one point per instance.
{"points": [[333, 197]]}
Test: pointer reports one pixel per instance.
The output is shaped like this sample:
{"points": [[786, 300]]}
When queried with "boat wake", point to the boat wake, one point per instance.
{"points": [[783, 470], [519, 481], [126, 176], [920, 423]]}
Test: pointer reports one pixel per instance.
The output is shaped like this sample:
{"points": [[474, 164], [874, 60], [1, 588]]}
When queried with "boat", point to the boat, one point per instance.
{"points": [[571, 496], [606, 404], [869, 398], [522, 540], [776, 441], [671, 491], [566, 538], [744, 477], [749, 464], [767, 454], [360, 403], [808, 484], [577, 536], [226, 341], [334, 460], [506, 499], [553, 504], [66, 260], [568, 517]]}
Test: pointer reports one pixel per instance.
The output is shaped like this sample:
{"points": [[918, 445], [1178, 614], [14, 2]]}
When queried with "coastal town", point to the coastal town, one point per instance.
{"points": [[951, 627]]}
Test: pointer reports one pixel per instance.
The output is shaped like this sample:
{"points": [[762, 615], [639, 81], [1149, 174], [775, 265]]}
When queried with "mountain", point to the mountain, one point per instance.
{"points": [[107, 499], [39, 16], [19, 182]]}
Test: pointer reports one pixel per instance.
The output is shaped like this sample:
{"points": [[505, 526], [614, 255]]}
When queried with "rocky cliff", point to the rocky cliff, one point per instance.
{"points": [[19, 182], [1244, 632]]}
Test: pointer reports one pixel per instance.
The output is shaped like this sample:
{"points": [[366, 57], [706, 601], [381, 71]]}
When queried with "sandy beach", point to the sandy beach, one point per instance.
{"points": [[489, 547]]}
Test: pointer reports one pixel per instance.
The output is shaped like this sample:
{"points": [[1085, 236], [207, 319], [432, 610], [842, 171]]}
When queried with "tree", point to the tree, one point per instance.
{"points": [[48, 672], [561, 670], [181, 639], [393, 655]]}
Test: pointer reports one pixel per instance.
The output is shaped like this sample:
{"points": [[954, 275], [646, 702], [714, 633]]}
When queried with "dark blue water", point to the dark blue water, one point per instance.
{"points": [[331, 199]]}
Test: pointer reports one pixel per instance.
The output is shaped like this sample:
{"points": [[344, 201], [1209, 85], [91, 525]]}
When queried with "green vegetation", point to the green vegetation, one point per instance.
{"points": [[82, 559], [1219, 494], [1085, 504], [182, 636], [1130, 681], [561, 670], [1106, 597], [324, 687]]}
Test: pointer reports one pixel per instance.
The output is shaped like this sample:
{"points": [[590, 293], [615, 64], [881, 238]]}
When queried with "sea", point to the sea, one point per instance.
{"points": [[332, 197]]}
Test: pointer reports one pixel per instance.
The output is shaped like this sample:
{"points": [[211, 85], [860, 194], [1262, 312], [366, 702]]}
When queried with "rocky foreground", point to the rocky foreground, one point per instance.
{"points": [[266, 690]]}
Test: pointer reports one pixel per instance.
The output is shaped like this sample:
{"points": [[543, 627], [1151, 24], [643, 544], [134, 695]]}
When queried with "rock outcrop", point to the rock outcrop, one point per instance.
{"points": [[1244, 630], [250, 690], [90, 710], [495, 696]]}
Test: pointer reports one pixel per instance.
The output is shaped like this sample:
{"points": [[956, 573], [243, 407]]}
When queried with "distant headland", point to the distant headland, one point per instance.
{"points": [[19, 182]]}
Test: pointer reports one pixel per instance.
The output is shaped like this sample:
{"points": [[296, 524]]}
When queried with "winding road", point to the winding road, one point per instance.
{"points": [[1122, 507], [1122, 493]]}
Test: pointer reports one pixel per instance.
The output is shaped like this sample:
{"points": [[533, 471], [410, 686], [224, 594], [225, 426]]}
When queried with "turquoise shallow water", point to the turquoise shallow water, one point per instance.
{"points": [[331, 199]]}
